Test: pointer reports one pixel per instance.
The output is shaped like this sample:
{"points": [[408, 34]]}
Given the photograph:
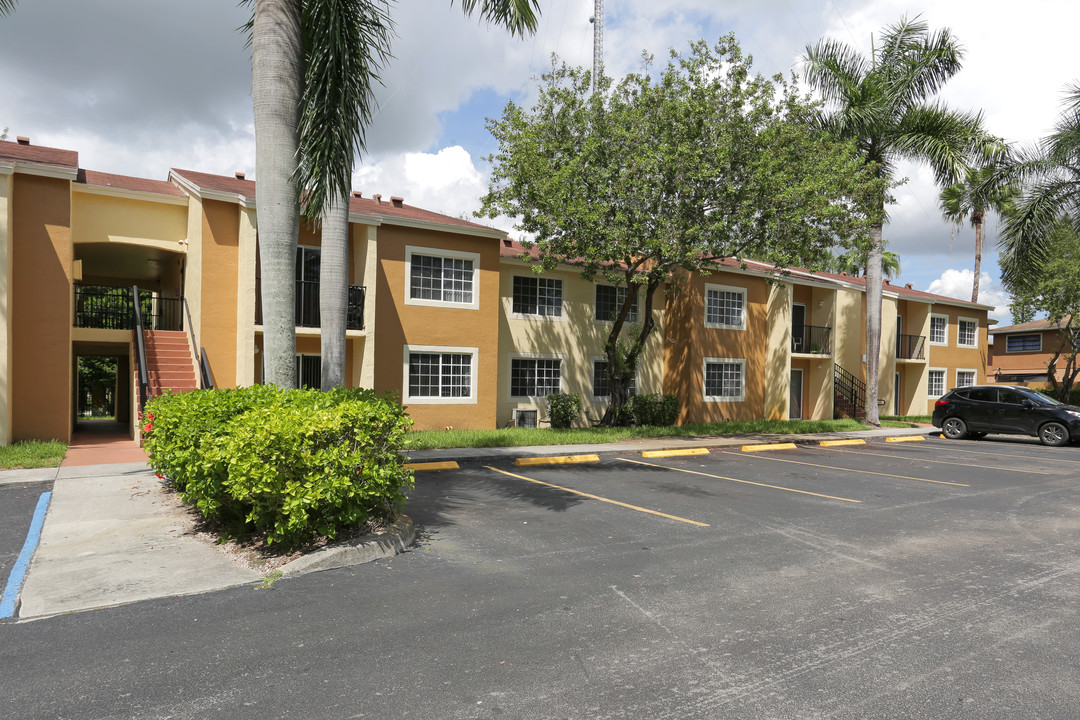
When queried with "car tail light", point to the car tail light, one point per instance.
{"points": [[939, 403]]}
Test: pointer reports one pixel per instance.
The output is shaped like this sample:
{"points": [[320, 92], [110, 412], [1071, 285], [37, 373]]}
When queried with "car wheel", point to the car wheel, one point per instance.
{"points": [[954, 428], [1054, 434]]}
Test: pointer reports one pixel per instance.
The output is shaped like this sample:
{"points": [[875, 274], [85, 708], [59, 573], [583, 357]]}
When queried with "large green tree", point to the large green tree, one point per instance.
{"points": [[971, 199], [1049, 175], [658, 175], [883, 103], [307, 133]]}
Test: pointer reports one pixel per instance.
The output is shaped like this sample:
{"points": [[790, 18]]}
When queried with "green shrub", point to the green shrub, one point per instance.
{"points": [[563, 409], [655, 409], [290, 465]]}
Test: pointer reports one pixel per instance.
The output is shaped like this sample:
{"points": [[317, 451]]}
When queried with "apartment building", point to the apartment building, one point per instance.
{"points": [[442, 312], [1020, 354]]}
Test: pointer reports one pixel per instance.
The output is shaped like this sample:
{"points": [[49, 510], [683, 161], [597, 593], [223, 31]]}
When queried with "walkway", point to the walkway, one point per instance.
{"points": [[99, 442]]}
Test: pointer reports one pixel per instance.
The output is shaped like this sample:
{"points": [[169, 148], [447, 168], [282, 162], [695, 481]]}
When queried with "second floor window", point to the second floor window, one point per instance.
{"points": [[441, 279], [939, 329], [1023, 343], [537, 296], [725, 307], [609, 302], [966, 333]]}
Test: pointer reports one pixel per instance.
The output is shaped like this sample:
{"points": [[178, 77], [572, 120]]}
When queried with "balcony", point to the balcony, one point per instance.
{"points": [[910, 347], [105, 307], [811, 339], [307, 305]]}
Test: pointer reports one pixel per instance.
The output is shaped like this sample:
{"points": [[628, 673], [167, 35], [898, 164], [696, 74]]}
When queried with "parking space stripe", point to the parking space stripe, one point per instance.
{"points": [[744, 482], [985, 453], [601, 499], [895, 456], [852, 470], [447, 465], [557, 460], [674, 453]]}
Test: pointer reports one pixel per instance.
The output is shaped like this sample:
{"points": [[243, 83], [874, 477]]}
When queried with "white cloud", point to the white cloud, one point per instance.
{"points": [[957, 284], [446, 181]]}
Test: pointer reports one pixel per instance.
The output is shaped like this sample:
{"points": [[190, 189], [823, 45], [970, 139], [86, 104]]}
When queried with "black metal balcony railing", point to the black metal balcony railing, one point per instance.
{"points": [[910, 347], [307, 305], [111, 308], [811, 339]]}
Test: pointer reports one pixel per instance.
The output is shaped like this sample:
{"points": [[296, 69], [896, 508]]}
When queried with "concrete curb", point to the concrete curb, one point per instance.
{"points": [[401, 535]]}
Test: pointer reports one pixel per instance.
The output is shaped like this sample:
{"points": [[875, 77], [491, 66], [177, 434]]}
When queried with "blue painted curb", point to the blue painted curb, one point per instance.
{"points": [[18, 573]]}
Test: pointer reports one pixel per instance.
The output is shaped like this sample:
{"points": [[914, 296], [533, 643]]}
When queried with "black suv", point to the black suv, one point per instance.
{"points": [[976, 410]]}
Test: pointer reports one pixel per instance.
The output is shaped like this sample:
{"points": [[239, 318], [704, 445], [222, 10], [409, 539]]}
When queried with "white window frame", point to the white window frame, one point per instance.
{"points": [[1038, 335], [592, 379], [959, 322], [533, 356], [411, 250], [636, 309], [724, 288], [974, 377], [946, 319], [561, 317], [726, 361], [408, 399], [944, 382]]}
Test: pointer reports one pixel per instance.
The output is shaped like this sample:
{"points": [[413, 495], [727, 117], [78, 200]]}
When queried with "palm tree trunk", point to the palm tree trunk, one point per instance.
{"points": [[334, 291], [277, 75], [978, 258], [873, 323]]}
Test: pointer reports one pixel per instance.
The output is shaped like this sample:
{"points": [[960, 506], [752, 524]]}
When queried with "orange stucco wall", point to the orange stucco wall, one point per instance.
{"points": [[220, 248], [952, 357], [689, 342], [398, 324], [41, 375], [1029, 361]]}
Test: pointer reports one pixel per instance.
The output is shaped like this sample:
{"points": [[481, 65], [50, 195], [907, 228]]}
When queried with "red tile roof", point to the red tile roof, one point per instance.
{"points": [[396, 208], [218, 183], [25, 152], [123, 182], [1043, 324]]}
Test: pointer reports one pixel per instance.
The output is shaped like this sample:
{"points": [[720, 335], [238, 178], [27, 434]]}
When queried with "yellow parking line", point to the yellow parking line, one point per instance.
{"points": [[557, 460], [601, 499], [862, 472], [745, 482], [906, 438], [674, 453], [839, 443], [448, 465], [774, 446]]}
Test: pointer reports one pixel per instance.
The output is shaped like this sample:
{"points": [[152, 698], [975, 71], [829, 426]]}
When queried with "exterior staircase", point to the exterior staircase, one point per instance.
{"points": [[849, 395], [168, 362]]}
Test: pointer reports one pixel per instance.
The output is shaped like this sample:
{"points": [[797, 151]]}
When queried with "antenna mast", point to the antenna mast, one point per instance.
{"points": [[597, 21]]}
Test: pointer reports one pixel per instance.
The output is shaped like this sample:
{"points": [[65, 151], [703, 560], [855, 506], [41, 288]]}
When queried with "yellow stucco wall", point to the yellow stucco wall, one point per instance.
{"points": [[41, 368], [98, 218], [399, 323], [576, 337], [950, 357]]}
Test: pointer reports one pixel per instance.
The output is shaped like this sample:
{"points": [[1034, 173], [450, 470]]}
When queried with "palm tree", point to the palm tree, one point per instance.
{"points": [[853, 262], [302, 144], [970, 199], [7, 7], [1050, 178], [882, 104]]}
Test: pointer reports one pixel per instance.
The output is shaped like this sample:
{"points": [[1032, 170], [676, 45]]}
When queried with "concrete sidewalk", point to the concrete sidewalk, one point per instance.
{"points": [[113, 535]]}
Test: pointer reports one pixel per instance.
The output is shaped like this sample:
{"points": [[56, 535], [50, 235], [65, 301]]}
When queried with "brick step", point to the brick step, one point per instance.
{"points": [[178, 378]]}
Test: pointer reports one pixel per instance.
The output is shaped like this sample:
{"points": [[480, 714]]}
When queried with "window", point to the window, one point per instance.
{"points": [[1023, 343], [965, 378], [724, 379], [602, 385], [725, 307], [537, 296], [441, 277], [935, 385], [939, 329], [967, 333], [609, 301], [535, 377], [309, 371], [440, 375]]}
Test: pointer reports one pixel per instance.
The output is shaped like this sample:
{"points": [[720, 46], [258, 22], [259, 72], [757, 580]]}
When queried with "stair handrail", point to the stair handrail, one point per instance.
{"points": [[849, 386], [206, 377], [140, 351]]}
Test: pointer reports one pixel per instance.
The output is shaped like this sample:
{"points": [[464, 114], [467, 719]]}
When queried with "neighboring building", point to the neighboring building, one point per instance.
{"points": [[1020, 354], [442, 312]]}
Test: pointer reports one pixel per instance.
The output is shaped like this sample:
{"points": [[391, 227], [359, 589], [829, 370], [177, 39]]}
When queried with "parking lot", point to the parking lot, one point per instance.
{"points": [[923, 579]]}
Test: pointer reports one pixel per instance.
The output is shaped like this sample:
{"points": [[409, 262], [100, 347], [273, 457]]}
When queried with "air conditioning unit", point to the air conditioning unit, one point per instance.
{"points": [[525, 418]]}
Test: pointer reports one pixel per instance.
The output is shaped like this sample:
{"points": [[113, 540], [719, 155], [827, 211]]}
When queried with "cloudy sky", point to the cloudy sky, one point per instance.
{"points": [[139, 87]]}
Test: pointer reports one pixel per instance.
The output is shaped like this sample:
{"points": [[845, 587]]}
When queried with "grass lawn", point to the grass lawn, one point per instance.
{"points": [[32, 454], [904, 420], [507, 437]]}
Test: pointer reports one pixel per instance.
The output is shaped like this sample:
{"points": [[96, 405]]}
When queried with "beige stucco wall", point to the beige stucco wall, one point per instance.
{"points": [[778, 352], [99, 218], [576, 337], [245, 298]]}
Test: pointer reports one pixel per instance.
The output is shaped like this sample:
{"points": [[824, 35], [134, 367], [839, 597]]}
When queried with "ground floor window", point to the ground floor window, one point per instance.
{"points": [[935, 383], [725, 379], [965, 378], [535, 377], [601, 385], [440, 374]]}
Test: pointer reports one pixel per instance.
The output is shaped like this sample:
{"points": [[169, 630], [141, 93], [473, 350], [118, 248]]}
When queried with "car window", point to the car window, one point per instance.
{"points": [[1042, 399], [983, 394], [1009, 396]]}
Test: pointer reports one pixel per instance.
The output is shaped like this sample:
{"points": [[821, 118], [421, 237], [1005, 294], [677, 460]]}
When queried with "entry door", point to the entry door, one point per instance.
{"points": [[798, 328], [795, 396]]}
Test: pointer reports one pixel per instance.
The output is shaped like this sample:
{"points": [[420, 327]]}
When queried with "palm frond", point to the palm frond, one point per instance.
{"points": [[1026, 231], [941, 137], [7, 7], [834, 69], [517, 16]]}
